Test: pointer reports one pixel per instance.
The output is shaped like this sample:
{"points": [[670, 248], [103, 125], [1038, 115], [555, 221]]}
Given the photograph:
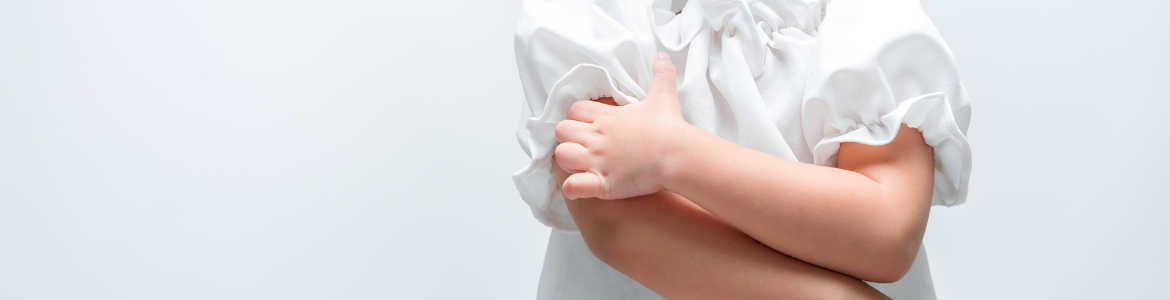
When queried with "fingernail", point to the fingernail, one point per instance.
{"points": [[662, 55]]}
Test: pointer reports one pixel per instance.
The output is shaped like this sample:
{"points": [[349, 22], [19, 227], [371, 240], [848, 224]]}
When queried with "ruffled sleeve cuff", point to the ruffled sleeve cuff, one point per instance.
{"points": [[932, 115], [536, 181]]}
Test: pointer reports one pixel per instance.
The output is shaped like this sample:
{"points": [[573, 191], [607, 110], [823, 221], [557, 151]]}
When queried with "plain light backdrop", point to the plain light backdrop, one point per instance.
{"points": [[363, 150]]}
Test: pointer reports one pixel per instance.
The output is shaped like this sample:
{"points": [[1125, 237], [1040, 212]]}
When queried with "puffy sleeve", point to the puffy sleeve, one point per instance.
{"points": [[880, 64], [568, 51]]}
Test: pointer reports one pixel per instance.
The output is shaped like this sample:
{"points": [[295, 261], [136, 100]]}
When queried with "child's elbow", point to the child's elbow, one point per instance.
{"points": [[888, 274], [894, 247], [894, 262]]}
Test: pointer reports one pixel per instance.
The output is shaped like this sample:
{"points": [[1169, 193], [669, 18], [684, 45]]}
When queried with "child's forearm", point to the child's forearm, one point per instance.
{"points": [[865, 219], [680, 251]]}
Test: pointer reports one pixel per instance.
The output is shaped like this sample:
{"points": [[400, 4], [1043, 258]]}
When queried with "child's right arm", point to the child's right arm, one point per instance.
{"points": [[681, 251]]}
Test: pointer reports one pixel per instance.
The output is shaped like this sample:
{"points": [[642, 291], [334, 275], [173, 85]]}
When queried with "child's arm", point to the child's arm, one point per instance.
{"points": [[865, 219], [681, 251]]}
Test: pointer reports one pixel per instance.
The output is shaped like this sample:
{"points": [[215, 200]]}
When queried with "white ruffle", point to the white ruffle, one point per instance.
{"points": [[932, 115], [676, 31], [751, 25], [536, 182]]}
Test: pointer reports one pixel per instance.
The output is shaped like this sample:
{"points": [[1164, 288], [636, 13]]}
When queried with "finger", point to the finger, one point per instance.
{"points": [[569, 131], [588, 111], [664, 76], [582, 185], [572, 157]]}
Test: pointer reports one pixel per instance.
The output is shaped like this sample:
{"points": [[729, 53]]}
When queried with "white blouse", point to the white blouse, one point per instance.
{"points": [[791, 78]]}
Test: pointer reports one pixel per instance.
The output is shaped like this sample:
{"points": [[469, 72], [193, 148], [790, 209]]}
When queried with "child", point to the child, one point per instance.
{"points": [[771, 149]]}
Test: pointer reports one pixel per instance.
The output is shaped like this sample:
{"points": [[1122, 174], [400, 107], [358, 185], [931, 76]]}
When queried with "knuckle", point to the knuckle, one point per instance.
{"points": [[597, 151]]}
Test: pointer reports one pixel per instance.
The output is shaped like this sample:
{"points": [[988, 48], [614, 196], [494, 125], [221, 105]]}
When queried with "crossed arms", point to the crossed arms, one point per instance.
{"points": [[738, 223]]}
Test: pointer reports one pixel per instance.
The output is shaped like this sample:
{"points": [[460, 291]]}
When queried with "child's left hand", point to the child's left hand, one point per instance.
{"points": [[621, 152]]}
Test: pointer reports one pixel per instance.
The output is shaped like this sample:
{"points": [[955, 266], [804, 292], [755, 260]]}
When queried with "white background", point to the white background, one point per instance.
{"points": [[363, 150]]}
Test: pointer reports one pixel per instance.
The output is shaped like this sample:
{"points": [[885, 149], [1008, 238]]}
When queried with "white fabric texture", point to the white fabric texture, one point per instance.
{"points": [[791, 78]]}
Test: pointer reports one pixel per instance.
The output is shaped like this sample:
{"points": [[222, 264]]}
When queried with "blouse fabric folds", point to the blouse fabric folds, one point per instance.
{"points": [[791, 78]]}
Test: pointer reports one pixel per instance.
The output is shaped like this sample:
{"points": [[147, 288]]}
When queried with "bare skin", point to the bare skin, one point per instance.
{"points": [[681, 251], [864, 219]]}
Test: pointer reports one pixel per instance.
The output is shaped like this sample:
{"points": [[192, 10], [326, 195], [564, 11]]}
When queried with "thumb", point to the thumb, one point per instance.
{"points": [[664, 78]]}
